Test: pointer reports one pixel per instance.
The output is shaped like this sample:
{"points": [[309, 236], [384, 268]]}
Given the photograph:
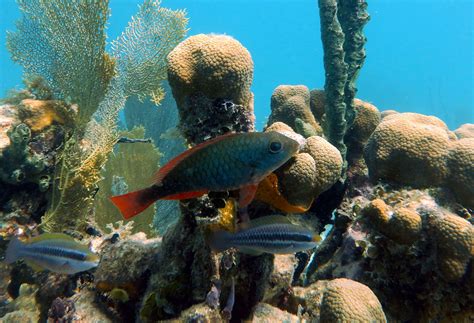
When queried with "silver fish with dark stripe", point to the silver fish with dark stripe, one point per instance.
{"points": [[270, 234], [56, 252]]}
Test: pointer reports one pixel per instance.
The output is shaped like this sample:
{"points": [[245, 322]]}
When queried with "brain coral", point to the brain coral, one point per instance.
{"points": [[461, 170], [366, 120], [315, 169], [316, 102], [455, 241], [290, 103], [210, 77], [403, 225], [409, 148], [218, 66], [419, 150], [465, 131], [346, 300]]}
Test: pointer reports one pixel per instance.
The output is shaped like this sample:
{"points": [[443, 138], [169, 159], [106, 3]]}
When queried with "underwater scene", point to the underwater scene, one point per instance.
{"points": [[236, 161]]}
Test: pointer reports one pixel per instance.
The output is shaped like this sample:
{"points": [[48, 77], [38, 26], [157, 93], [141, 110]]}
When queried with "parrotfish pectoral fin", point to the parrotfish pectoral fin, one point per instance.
{"points": [[133, 203], [13, 249], [247, 193]]}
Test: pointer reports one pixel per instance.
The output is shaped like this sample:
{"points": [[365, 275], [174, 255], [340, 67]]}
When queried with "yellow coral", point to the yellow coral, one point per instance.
{"points": [[317, 102], [38, 114], [465, 131], [346, 300], [226, 218], [269, 193], [314, 170]]}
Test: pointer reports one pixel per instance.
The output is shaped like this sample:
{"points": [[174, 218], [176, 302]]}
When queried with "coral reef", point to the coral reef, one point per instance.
{"points": [[344, 55], [399, 238], [24, 308], [290, 104], [367, 118], [302, 179], [210, 76], [465, 131], [419, 150], [85, 153], [266, 314], [389, 252]]}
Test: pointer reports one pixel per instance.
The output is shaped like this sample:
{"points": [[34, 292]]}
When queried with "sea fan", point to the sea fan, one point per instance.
{"points": [[63, 41]]}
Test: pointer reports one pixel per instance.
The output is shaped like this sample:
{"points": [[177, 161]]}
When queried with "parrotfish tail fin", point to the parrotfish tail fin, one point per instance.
{"points": [[220, 240], [13, 250], [133, 203]]}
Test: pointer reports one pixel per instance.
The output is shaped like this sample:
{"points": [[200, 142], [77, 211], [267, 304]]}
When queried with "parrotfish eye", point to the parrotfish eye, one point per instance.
{"points": [[275, 146]]}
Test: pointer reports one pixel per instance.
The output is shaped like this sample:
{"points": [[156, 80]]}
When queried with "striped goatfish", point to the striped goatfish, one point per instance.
{"points": [[56, 252], [270, 234]]}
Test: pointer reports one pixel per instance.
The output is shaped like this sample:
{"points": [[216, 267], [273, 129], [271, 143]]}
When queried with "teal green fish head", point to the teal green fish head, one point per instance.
{"points": [[273, 150]]}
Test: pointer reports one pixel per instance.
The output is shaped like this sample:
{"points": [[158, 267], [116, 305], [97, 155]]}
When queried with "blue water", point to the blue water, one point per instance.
{"points": [[419, 52]]}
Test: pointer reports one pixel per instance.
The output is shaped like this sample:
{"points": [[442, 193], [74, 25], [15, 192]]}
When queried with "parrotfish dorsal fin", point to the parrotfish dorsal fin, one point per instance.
{"points": [[163, 171], [265, 220], [50, 236]]}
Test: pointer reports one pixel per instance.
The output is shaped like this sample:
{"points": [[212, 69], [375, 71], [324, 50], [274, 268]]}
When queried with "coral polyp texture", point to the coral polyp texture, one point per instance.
{"points": [[465, 131], [348, 300], [454, 238], [312, 171], [419, 150], [290, 104], [210, 76]]}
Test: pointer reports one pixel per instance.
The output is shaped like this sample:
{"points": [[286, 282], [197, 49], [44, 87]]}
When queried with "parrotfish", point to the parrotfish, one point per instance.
{"points": [[56, 252], [271, 234], [228, 162]]}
